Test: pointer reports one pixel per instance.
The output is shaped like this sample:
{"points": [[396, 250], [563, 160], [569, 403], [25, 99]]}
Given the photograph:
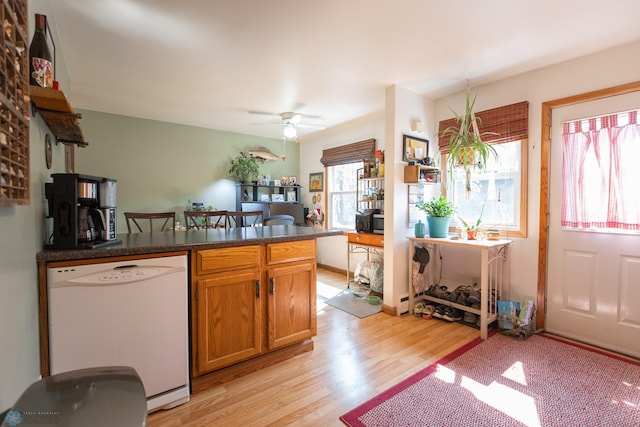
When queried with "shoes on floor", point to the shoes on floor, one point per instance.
{"points": [[451, 314], [427, 313], [439, 311], [470, 318], [418, 308]]}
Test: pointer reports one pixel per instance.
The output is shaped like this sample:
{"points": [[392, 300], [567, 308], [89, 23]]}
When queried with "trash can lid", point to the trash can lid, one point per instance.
{"points": [[102, 396]]}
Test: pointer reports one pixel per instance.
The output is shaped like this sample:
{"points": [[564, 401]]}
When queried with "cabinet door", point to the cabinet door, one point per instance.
{"points": [[291, 303], [228, 319]]}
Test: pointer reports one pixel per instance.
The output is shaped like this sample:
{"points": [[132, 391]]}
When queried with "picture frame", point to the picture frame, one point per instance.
{"points": [[264, 198], [414, 149], [291, 196], [277, 197], [316, 181]]}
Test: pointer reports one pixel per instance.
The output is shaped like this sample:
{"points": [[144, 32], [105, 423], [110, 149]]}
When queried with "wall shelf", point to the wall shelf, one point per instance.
{"points": [[14, 105], [421, 174], [57, 113]]}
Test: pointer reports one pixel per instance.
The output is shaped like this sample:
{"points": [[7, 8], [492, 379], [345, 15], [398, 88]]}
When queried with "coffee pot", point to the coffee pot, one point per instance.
{"points": [[86, 229]]}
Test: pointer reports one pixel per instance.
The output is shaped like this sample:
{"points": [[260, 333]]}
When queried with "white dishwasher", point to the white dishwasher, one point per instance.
{"points": [[131, 313]]}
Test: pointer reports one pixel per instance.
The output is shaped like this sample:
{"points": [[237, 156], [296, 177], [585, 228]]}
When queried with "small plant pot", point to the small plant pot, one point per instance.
{"points": [[472, 234], [438, 226]]}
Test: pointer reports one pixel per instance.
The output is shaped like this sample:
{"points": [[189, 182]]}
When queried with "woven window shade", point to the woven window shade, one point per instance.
{"points": [[510, 123], [350, 153]]}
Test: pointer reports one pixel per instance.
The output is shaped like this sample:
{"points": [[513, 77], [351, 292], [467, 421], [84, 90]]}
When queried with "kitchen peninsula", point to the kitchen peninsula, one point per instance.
{"points": [[252, 293]]}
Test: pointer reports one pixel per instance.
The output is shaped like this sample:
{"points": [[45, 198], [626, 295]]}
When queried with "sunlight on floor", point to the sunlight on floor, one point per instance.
{"points": [[511, 402], [324, 292], [516, 373]]}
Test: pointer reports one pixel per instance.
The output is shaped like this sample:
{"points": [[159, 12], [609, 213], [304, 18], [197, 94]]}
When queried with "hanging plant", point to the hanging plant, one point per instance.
{"points": [[467, 150]]}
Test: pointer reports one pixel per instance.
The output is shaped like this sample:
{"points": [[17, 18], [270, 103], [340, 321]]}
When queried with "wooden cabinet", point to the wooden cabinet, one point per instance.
{"points": [[421, 174], [226, 307], [291, 278], [250, 300]]}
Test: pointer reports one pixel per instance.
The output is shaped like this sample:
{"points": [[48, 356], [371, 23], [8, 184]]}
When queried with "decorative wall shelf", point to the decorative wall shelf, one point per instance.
{"points": [[14, 105], [420, 174], [57, 113]]}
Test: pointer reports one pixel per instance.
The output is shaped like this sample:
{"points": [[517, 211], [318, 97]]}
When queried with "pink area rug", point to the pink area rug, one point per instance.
{"points": [[541, 381]]}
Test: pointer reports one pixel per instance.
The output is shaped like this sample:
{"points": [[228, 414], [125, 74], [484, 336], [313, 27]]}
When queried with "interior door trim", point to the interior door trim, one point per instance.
{"points": [[543, 237]]}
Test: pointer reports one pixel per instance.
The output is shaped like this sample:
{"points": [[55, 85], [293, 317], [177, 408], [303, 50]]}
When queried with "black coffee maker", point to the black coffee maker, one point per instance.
{"points": [[83, 211]]}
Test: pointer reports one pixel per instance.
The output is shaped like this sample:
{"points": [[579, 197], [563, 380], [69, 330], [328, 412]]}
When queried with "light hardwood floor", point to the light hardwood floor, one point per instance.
{"points": [[352, 361]]}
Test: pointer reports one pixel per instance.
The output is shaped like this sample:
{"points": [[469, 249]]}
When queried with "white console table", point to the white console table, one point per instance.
{"points": [[494, 274]]}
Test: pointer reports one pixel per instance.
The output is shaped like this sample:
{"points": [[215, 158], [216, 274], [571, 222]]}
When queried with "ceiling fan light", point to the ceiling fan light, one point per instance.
{"points": [[290, 131]]}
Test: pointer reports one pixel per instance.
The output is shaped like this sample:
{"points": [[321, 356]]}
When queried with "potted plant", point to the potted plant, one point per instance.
{"points": [[472, 228], [439, 211], [245, 167], [466, 147]]}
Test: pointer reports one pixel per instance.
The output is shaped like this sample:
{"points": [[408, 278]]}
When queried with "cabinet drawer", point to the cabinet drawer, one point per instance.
{"points": [[291, 251], [225, 259], [366, 239]]}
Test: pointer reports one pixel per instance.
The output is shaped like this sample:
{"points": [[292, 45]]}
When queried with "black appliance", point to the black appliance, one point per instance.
{"points": [[365, 220], [377, 223], [83, 211]]}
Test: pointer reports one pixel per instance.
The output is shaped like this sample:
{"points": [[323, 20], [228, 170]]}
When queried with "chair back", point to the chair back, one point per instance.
{"points": [[139, 219], [278, 220], [195, 220], [244, 219]]}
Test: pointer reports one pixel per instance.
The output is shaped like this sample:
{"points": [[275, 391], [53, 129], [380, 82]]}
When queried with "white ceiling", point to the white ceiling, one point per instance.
{"points": [[209, 62]]}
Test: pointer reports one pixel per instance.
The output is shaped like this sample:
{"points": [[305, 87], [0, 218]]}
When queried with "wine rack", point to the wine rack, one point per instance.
{"points": [[14, 105]]}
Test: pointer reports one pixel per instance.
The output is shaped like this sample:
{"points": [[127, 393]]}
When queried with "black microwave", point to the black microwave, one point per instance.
{"points": [[370, 223]]}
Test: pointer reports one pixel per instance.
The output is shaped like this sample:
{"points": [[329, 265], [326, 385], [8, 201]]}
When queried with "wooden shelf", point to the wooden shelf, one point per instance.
{"points": [[14, 105], [57, 113], [420, 174]]}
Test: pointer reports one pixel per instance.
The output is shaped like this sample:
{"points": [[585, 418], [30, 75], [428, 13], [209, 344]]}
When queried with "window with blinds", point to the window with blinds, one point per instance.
{"points": [[499, 189], [341, 165]]}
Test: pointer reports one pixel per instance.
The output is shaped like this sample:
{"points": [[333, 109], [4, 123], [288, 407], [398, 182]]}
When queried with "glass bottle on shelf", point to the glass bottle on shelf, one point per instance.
{"points": [[40, 58]]}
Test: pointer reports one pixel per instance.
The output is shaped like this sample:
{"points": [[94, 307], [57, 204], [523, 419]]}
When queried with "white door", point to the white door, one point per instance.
{"points": [[593, 286]]}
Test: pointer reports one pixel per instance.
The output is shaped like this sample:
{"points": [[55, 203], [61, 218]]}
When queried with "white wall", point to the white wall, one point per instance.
{"points": [[608, 68], [21, 228], [403, 108], [333, 250], [159, 166]]}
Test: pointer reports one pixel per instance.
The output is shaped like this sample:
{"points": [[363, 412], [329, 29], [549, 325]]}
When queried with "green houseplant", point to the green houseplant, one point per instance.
{"points": [[466, 147], [472, 228], [439, 211], [244, 167]]}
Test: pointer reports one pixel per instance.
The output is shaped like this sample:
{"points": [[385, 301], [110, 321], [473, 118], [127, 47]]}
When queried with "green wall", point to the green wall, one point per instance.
{"points": [[159, 166]]}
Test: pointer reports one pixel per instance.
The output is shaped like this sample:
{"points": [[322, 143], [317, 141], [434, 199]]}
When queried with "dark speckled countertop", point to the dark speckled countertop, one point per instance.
{"points": [[147, 243]]}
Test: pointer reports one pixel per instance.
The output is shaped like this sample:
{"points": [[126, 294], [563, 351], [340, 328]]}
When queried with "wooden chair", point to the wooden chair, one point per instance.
{"points": [[193, 220], [134, 217], [278, 220], [244, 219]]}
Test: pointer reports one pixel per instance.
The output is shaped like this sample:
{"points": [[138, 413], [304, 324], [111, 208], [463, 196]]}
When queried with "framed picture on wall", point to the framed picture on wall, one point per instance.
{"points": [[414, 149], [316, 181]]}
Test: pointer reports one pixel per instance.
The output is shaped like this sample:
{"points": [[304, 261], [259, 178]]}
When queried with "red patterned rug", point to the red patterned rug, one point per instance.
{"points": [[541, 381]]}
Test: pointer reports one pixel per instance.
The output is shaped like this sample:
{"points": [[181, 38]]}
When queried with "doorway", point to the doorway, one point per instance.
{"points": [[583, 285]]}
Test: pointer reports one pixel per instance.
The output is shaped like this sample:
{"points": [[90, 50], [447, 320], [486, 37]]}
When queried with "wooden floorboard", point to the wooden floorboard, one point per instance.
{"points": [[352, 361]]}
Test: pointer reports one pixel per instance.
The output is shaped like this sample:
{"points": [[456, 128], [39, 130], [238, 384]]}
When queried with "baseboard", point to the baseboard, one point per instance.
{"points": [[334, 269]]}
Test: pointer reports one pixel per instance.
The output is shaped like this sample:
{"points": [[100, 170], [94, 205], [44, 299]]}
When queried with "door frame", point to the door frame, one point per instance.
{"points": [[545, 153]]}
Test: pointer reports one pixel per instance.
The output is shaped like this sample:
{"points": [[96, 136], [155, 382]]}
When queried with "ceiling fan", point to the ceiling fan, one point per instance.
{"points": [[290, 122]]}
